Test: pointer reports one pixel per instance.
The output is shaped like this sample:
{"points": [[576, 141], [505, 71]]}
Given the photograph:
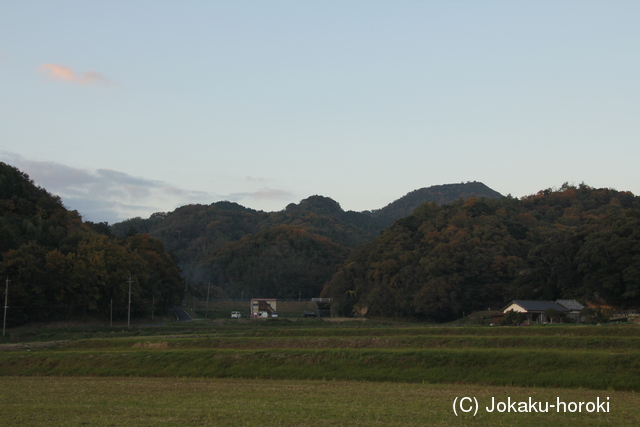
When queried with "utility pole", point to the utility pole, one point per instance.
{"points": [[153, 300], [111, 315], [6, 300], [129, 310], [206, 314]]}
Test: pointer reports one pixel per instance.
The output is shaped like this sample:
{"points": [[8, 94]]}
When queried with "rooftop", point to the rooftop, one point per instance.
{"points": [[537, 305]]}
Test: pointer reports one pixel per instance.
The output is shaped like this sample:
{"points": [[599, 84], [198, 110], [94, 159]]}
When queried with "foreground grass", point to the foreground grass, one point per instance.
{"points": [[71, 401]]}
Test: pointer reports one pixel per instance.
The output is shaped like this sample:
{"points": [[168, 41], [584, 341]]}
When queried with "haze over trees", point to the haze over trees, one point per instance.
{"points": [[61, 267]]}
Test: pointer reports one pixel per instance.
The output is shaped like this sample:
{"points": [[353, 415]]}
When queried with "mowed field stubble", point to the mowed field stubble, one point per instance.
{"points": [[282, 372]]}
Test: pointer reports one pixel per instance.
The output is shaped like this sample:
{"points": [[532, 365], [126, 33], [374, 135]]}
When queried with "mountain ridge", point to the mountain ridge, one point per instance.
{"points": [[441, 260], [574, 242], [441, 194], [196, 233]]}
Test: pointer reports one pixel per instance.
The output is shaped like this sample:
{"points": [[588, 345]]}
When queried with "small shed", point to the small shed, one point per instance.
{"points": [[263, 305], [324, 306]]}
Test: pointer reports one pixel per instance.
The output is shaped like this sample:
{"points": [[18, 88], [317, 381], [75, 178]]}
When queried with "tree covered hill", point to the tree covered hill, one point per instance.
{"points": [[441, 194], [282, 262], [61, 267], [441, 261], [202, 237], [436, 263]]}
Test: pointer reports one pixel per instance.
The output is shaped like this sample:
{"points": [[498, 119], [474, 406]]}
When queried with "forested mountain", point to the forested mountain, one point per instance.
{"points": [[441, 194], [202, 237], [192, 232], [441, 261], [281, 262], [195, 233], [312, 238], [436, 263], [61, 267]]}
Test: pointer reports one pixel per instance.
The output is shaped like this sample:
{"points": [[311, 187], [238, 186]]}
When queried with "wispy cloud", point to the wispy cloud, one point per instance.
{"points": [[105, 194], [112, 196], [254, 179], [262, 194], [66, 74]]}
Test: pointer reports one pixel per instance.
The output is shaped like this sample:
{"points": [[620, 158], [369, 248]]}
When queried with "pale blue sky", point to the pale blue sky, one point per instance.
{"points": [[125, 108]]}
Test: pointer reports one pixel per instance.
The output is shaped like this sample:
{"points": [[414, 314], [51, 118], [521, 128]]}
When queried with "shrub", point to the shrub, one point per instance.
{"points": [[512, 318]]}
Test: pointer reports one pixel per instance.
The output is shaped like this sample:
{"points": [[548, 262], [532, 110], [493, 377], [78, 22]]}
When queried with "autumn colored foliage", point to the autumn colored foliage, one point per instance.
{"points": [[441, 261], [61, 267], [246, 253]]}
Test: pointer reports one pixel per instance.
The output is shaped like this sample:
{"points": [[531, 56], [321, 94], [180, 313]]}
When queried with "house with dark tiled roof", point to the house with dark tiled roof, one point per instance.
{"points": [[535, 310], [573, 306]]}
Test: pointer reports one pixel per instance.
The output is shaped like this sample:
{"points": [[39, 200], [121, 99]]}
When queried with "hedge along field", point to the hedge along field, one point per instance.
{"points": [[571, 356]]}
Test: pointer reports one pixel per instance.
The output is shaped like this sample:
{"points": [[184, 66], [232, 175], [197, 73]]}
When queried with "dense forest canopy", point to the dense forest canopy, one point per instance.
{"points": [[449, 256], [202, 236], [282, 262], [243, 252], [574, 242], [61, 267]]}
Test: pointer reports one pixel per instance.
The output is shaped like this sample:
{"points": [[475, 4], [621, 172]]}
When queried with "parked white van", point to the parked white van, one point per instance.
{"points": [[235, 315]]}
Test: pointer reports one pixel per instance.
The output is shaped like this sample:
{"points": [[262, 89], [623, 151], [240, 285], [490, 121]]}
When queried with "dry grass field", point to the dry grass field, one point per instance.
{"points": [[117, 401], [308, 372]]}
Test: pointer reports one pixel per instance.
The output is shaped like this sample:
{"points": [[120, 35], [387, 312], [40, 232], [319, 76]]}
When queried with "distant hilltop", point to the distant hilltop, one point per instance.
{"points": [[225, 242], [441, 194]]}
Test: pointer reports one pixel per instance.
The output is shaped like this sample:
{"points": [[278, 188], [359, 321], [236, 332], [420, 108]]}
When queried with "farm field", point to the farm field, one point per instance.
{"points": [[101, 401], [311, 372]]}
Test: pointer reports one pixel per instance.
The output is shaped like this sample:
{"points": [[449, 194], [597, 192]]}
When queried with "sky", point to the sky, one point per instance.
{"points": [[124, 108]]}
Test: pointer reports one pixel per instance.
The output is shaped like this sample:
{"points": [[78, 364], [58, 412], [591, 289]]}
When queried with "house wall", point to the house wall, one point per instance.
{"points": [[515, 307]]}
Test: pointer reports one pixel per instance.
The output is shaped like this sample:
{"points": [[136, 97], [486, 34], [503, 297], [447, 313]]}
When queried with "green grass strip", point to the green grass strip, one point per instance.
{"points": [[551, 368], [390, 342]]}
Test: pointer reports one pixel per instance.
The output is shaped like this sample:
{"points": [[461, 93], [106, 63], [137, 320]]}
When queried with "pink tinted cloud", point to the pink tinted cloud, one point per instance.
{"points": [[66, 74]]}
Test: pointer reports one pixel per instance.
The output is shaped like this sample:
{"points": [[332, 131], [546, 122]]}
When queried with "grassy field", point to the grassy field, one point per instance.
{"points": [[75, 401], [311, 372]]}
